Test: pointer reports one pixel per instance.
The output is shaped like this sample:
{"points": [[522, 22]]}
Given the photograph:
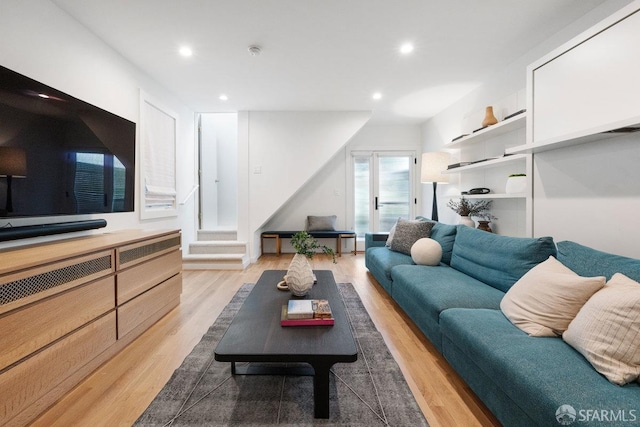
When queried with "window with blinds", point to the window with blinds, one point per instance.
{"points": [[98, 182]]}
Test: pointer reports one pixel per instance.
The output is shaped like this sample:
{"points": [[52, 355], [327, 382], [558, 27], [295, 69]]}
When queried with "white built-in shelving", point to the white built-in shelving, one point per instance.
{"points": [[511, 124], [496, 196], [500, 161], [492, 171], [584, 136]]}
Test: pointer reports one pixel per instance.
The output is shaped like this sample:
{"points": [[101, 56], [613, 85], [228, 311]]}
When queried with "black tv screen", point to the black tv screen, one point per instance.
{"points": [[60, 155]]}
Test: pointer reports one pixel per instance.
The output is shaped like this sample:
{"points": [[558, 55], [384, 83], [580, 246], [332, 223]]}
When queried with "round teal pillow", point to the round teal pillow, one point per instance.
{"points": [[426, 251]]}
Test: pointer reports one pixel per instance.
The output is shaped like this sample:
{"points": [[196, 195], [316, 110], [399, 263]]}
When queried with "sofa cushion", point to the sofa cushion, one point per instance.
{"points": [[426, 251], [380, 261], [547, 298], [445, 234], [607, 330], [590, 262], [424, 292], [498, 261], [514, 373], [407, 232]]}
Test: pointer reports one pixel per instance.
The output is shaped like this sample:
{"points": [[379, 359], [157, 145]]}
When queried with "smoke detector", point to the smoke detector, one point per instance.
{"points": [[254, 50]]}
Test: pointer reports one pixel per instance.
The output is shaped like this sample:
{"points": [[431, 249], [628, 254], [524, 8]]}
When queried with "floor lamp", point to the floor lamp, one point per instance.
{"points": [[13, 164], [433, 164]]}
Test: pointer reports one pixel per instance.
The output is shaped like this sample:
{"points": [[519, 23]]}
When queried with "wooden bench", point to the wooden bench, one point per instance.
{"points": [[338, 235]]}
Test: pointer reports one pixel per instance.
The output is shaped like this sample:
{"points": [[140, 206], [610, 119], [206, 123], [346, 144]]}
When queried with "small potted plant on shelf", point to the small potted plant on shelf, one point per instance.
{"points": [[467, 208], [300, 277], [516, 183]]}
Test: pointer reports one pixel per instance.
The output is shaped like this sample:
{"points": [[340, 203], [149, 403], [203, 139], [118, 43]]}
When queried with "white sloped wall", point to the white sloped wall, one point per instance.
{"points": [[284, 150]]}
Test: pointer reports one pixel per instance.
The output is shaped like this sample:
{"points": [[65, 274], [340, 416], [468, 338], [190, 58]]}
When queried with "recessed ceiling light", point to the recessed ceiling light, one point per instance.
{"points": [[186, 51], [43, 95], [406, 48], [223, 97], [377, 95]]}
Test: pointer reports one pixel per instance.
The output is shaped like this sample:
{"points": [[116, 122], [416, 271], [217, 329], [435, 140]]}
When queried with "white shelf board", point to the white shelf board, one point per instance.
{"points": [[504, 126], [489, 196], [599, 133], [555, 144], [487, 164]]}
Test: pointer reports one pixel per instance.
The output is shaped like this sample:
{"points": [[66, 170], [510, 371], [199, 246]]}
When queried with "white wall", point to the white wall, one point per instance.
{"points": [[386, 137], [284, 151], [329, 192], [44, 43], [566, 182], [590, 194]]}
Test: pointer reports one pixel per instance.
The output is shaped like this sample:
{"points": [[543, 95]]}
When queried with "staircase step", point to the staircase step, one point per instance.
{"points": [[219, 234], [218, 247], [215, 261]]}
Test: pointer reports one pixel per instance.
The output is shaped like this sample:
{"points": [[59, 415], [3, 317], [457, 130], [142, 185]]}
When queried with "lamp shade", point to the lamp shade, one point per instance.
{"points": [[433, 164], [13, 162]]}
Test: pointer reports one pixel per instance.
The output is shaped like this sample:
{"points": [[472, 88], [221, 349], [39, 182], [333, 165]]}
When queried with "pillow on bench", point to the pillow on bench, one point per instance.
{"points": [[321, 223]]}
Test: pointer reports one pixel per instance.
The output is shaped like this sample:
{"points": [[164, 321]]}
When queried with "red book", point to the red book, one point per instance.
{"points": [[284, 321]]}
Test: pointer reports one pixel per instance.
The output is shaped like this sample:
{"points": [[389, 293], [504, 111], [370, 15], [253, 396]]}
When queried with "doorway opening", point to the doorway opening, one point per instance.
{"points": [[383, 189], [218, 170]]}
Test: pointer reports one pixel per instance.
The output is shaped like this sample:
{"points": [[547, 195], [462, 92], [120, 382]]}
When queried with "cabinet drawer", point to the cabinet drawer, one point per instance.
{"points": [[162, 298], [25, 287], [136, 253], [138, 279], [28, 381], [30, 328]]}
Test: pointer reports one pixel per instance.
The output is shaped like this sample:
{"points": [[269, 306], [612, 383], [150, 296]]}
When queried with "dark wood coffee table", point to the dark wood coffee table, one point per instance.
{"points": [[255, 335]]}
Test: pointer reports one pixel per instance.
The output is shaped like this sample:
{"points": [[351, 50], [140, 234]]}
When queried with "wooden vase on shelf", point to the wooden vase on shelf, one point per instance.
{"points": [[484, 225], [489, 118]]}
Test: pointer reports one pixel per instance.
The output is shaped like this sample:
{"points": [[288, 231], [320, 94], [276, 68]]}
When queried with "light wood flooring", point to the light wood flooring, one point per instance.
{"points": [[119, 391]]}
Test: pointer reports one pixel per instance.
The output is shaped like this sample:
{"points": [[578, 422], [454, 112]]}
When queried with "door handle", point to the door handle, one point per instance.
{"points": [[377, 205]]}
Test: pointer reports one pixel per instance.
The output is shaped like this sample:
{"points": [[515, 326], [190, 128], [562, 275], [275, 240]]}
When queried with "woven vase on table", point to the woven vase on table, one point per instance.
{"points": [[299, 277]]}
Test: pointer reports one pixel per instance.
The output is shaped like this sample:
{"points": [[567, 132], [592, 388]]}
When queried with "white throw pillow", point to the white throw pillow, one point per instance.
{"points": [[545, 300], [426, 251], [607, 330]]}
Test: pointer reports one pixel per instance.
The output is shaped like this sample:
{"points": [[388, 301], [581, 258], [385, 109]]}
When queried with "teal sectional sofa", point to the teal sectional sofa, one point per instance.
{"points": [[523, 380]]}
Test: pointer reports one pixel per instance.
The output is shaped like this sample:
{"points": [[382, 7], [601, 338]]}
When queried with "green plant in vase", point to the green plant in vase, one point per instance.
{"points": [[307, 245], [467, 208]]}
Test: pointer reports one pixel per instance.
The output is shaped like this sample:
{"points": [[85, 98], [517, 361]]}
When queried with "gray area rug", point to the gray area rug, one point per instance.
{"points": [[370, 392]]}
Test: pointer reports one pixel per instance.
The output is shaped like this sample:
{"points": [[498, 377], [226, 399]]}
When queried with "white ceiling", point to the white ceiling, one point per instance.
{"points": [[324, 54]]}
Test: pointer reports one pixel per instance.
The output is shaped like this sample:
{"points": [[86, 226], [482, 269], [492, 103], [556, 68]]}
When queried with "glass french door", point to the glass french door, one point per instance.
{"points": [[383, 189]]}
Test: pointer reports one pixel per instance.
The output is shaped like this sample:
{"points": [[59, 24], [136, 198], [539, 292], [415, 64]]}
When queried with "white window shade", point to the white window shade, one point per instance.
{"points": [[158, 161]]}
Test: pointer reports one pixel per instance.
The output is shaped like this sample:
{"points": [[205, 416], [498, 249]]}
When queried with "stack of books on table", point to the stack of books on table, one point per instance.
{"points": [[309, 312]]}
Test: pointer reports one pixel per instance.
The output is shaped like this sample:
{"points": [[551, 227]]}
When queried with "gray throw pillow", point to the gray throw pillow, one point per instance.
{"points": [[408, 232], [321, 223]]}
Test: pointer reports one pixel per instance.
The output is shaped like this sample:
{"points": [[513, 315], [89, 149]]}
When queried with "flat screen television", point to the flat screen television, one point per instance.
{"points": [[60, 155]]}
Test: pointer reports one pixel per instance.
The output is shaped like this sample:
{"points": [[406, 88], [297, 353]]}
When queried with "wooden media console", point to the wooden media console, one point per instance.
{"points": [[68, 306]]}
